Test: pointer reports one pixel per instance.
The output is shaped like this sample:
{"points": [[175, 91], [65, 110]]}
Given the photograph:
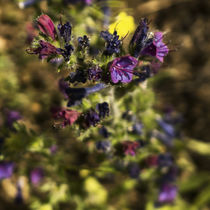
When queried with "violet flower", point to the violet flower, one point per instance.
{"points": [[104, 146], [130, 147], [6, 169], [12, 116], [36, 176], [122, 69], [157, 48], [65, 31], [46, 26], [91, 118], [167, 193], [94, 73], [45, 50]]}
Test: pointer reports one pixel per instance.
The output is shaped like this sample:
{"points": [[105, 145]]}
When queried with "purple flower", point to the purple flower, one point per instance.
{"points": [[83, 42], [12, 116], [157, 48], [122, 69], [103, 145], [46, 26], [94, 73], [130, 147], [167, 128], [167, 193], [6, 169], [36, 176], [103, 109], [45, 50]]}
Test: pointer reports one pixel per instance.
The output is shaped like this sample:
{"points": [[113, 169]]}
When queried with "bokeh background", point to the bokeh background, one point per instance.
{"points": [[30, 86]]}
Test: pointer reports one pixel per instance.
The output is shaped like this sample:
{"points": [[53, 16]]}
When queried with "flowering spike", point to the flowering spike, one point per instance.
{"points": [[46, 26]]}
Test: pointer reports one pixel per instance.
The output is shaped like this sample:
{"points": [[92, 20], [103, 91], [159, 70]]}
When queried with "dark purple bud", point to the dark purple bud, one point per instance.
{"points": [[133, 170], [12, 116], [165, 160], [6, 169], [157, 48], [167, 193], [94, 73], [83, 42], [113, 43], [45, 50], [103, 109], [91, 118], [104, 132], [36, 176], [65, 31], [104, 146], [130, 147], [122, 69], [46, 26], [63, 85]]}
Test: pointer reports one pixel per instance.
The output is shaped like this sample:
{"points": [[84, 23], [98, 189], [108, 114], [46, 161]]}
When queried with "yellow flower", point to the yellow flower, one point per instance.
{"points": [[124, 24]]}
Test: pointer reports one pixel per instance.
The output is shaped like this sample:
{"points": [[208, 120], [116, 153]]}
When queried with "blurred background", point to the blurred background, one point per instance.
{"points": [[30, 86]]}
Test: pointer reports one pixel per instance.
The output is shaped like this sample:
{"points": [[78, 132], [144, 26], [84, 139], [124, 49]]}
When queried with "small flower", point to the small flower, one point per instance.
{"points": [[45, 50], [94, 73], [91, 118], [65, 31], [6, 169], [46, 26], [112, 42], [167, 193], [124, 24], [122, 69], [83, 42], [12, 116], [133, 170], [66, 116], [167, 128], [105, 146], [157, 48], [66, 52], [103, 109], [130, 147], [36, 176]]}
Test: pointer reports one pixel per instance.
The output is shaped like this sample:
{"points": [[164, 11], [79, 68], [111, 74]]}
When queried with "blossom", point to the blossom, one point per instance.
{"points": [[157, 48], [167, 193], [66, 116], [46, 26], [6, 169], [130, 147], [124, 24], [45, 50], [122, 69], [36, 175], [83, 42]]}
